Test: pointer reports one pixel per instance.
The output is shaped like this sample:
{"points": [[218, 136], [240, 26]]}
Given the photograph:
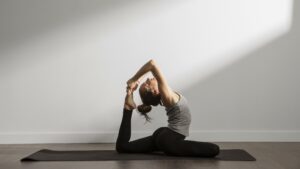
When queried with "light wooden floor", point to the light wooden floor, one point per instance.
{"points": [[269, 155]]}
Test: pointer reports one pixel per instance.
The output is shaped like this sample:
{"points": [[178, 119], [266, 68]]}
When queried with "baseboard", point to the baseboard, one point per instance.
{"points": [[110, 137]]}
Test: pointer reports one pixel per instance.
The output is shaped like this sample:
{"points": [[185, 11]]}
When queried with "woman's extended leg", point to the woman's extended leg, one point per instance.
{"points": [[123, 145], [173, 143]]}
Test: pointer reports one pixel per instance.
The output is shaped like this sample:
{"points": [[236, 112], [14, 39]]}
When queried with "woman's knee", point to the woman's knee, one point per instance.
{"points": [[157, 131]]}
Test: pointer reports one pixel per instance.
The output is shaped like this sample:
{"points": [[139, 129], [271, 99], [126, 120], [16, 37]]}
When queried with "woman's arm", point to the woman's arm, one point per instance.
{"points": [[167, 94], [142, 71]]}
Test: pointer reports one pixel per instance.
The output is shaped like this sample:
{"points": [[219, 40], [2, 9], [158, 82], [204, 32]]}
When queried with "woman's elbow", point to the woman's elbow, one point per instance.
{"points": [[152, 62]]}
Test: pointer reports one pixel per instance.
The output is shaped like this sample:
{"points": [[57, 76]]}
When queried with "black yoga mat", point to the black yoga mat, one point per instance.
{"points": [[112, 155]]}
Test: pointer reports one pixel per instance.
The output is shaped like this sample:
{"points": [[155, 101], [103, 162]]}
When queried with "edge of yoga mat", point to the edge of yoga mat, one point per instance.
{"points": [[89, 155]]}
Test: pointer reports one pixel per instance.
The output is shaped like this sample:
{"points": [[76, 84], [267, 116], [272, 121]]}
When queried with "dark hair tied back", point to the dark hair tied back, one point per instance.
{"points": [[143, 110]]}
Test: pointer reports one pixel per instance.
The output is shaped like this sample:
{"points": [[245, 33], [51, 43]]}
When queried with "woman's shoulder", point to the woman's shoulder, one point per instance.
{"points": [[176, 98]]}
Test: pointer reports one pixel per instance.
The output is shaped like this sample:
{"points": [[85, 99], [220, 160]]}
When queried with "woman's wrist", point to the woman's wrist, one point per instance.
{"points": [[143, 70], [138, 80], [134, 79]]}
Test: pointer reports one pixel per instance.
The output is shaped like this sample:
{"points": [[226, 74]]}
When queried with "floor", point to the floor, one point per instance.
{"points": [[269, 155]]}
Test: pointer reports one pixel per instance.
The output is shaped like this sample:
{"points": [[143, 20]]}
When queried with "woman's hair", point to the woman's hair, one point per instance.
{"points": [[148, 99]]}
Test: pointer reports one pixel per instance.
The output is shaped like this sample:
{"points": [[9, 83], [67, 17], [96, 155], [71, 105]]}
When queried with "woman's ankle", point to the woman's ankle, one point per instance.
{"points": [[128, 108]]}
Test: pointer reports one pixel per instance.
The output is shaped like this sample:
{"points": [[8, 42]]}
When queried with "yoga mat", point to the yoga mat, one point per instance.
{"points": [[112, 155]]}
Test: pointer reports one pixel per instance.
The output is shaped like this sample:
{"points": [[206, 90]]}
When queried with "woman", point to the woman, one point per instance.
{"points": [[169, 139]]}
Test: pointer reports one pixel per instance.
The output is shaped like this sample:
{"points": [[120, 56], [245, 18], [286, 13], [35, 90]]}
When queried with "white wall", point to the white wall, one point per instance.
{"points": [[64, 67]]}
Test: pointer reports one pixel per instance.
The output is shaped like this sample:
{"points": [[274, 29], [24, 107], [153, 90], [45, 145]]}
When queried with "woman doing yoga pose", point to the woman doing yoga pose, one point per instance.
{"points": [[168, 139]]}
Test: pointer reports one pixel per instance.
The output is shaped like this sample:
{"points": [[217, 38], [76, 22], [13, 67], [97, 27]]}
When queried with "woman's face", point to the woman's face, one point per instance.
{"points": [[150, 85]]}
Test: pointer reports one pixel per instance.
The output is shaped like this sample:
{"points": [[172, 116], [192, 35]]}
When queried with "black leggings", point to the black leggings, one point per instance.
{"points": [[163, 139]]}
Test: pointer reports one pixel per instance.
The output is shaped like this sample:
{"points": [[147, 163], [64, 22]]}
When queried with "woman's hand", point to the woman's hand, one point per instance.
{"points": [[132, 84]]}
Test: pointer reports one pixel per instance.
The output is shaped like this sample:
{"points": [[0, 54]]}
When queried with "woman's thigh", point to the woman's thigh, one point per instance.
{"points": [[166, 138], [146, 144], [173, 143], [142, 145]]}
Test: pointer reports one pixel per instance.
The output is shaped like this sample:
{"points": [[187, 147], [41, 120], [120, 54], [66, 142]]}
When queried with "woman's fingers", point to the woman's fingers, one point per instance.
{"points": [[129, 90], [132, 86]]}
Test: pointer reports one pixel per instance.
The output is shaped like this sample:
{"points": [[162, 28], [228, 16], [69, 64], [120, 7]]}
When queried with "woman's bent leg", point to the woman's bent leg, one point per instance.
{"points": [[193, 148], [173, 143], [123, 145]]}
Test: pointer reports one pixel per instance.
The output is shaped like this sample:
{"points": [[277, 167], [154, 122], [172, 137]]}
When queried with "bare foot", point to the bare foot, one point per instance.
{"points": [[129, 102]]}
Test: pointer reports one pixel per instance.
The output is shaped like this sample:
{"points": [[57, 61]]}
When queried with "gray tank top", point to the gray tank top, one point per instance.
{"points": [[179, 116]]}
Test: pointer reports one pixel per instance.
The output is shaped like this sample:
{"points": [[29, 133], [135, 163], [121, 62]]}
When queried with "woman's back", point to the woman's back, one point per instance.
{"points": [[179, 116]]}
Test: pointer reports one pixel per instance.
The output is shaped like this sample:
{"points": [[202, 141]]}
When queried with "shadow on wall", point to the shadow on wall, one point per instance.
{"points": [[23, 20], [35, 32], [259, 91]]}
